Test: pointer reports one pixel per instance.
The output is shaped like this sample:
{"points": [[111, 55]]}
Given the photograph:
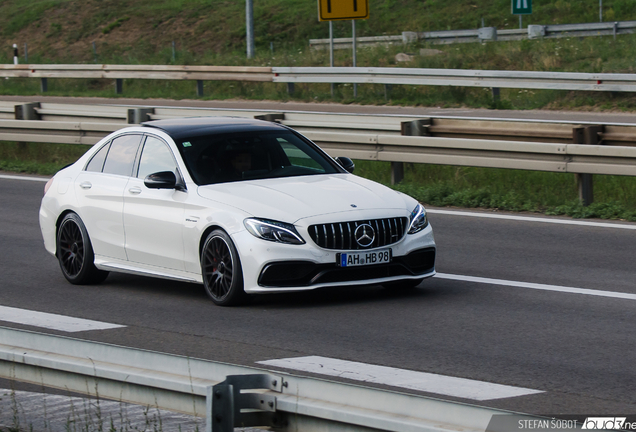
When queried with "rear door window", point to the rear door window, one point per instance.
{"points": [[96, 164], [121, 155]]}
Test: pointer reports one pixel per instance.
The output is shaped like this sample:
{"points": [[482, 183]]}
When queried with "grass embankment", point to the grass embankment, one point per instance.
{"points": [[212, 32]]}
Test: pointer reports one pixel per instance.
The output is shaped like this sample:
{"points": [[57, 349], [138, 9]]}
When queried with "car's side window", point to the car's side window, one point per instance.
{"points": [[155, 157], [96, 163], [121, 156]]}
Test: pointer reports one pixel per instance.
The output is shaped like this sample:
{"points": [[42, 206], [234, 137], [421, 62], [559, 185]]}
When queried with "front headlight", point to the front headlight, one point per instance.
{"points": [[419, 221], [270, 230]]}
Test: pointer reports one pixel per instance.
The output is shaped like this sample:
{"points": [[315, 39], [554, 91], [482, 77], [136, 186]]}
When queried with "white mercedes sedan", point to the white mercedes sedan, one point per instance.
{"points": [[241, 206]]}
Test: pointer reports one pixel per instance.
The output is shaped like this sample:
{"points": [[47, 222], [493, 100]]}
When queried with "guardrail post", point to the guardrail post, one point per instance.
{"points": [[290, 88], [227, 403], [273, 117], [119, 84], [409, 128], [585, 182], [536, 31], [496, 95], [199, 88], [397, 172], [416, 127], [487, 34], [139, 115], [409, 37], [27, 111], [387, 91], [44, 85]]}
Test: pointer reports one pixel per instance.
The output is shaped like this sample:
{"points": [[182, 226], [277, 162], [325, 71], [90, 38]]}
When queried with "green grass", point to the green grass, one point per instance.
{"points": [[510, 190], [38, 158]]}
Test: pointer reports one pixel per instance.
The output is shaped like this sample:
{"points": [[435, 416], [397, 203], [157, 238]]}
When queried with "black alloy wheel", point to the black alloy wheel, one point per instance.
{"points": [[221, 270], [75, 252]]}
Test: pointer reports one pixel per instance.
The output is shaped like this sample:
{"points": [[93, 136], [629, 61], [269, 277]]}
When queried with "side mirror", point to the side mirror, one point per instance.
{"points": [[346, 163], [161, 180]]}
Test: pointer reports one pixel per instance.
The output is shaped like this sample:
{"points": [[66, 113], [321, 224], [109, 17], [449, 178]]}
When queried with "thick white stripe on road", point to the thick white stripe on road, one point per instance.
{"points": [[52, 321], [534, 219], [15, 177], [557, 288], [420, 381]]}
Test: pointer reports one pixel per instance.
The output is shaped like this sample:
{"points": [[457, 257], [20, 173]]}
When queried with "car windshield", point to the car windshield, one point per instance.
{"points": [[251, 156]]}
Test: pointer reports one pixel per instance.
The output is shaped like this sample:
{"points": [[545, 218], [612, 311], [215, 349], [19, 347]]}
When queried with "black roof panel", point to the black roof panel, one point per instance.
{"points": [[197, 126]]}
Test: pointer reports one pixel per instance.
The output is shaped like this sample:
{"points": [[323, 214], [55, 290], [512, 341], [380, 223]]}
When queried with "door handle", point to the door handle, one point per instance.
{"points": [[86, 185], [135, 190]]}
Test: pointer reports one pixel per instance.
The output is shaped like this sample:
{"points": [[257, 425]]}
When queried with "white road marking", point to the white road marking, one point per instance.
{"points": [[52, 321], [17, 177], [618, 225], [536, 286], [413, 380]]}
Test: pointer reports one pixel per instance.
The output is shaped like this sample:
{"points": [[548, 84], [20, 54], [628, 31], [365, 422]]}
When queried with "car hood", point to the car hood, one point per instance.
{"points": [[293, 198]]}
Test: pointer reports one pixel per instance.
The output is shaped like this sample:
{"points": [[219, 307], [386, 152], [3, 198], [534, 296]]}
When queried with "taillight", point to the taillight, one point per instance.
{"points": [[48, 185]]}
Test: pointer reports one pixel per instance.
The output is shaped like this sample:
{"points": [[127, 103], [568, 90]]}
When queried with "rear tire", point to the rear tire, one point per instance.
{"points": [[74, 252], [221, 270]]}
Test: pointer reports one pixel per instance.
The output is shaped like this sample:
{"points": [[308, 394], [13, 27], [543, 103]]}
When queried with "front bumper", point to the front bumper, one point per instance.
{"points": [[418, 263], [273, 267]]}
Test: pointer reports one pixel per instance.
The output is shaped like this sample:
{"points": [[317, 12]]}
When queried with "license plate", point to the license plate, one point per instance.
{"points": [[354, 259]]}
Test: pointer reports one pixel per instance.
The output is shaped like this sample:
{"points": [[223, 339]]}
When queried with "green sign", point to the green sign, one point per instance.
{"points": [[521, 7]]}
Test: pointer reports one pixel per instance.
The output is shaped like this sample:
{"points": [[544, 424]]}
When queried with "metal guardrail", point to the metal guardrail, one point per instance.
{"points": [[167, 72], [459, 77], [583, 149], [351, 75], [221, 392], [484, 34], [90, 120], [121, 72]]}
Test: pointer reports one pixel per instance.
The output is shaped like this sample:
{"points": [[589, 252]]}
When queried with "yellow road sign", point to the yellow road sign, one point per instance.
{"points": [[331, 10]]}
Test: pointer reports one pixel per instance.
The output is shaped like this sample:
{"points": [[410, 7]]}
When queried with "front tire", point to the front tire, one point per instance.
{"points": [[74, 252], [221, 270]]}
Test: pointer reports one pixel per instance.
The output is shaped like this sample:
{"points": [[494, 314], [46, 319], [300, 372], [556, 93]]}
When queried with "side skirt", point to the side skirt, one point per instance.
{"points": [[109, 264]]}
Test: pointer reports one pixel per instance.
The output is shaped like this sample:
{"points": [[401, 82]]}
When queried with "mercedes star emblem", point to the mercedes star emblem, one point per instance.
{"points": [[365, 235]]}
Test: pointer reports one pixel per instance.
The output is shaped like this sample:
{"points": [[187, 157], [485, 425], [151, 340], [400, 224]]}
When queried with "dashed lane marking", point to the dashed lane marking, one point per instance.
{"points": [[413, 380], [17, 177], [537, 286], [538, 219], [52, 321]]}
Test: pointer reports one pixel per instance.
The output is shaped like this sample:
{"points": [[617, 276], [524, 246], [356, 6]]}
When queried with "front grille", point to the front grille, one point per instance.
{"points": [[340, 235]]}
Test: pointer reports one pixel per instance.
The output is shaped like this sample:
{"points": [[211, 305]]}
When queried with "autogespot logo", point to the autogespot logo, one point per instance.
{"points": [[364, 234], [607, 423]]}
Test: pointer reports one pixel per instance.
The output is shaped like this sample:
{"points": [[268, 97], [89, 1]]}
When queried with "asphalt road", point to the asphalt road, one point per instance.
{"points": [[575, 347]]}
